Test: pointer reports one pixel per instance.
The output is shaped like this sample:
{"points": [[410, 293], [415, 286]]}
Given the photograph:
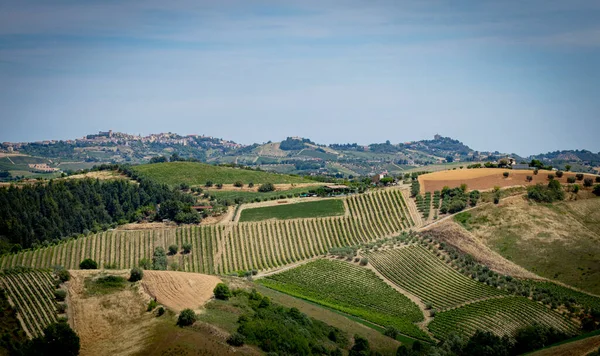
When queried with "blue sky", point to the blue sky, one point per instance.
{"points": [[513, 76]]}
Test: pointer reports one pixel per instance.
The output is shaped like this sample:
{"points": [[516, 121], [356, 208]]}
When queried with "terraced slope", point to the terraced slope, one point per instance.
{"points": [[351, 289], [33, 295], [242, 246], [423, 274], [501, 316]]}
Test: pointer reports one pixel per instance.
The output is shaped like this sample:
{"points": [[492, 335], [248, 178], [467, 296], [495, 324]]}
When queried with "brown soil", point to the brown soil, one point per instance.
{"points": [[179, 290], [147, 226], [451, 233], [102, 175], [486, 178], [111, 324], [575, 348]]}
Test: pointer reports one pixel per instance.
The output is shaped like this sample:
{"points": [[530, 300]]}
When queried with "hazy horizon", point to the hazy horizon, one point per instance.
{"points": [[516, 77]]}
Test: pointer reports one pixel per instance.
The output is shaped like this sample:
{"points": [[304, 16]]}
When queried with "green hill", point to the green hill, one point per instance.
{"points": [[193, 173]]}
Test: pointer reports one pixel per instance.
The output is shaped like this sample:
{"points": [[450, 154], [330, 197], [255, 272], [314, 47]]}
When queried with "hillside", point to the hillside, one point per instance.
{"points": [[197, 174], [557, 241]]}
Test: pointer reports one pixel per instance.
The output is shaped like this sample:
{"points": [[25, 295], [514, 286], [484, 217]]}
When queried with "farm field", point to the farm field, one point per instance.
{"points": [[179, 290], [420, 272], [32, 292], [350, 289], [235, 247], [197, 174], [557, 241], [485, 178], [249, 196], [321, 208], [501, 316]]}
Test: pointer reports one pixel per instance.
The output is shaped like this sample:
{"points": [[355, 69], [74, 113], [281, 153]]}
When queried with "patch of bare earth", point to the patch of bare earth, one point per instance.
{"points": [[112, 324], [179, 290], [575, 348], [453, 234], [102, 175], [147, 226], [486, 178]]}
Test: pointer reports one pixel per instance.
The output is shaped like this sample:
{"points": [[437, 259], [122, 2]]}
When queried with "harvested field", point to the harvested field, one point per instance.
{"points": [[179, 290], [575, 348], [486, 178], [110, 324]]}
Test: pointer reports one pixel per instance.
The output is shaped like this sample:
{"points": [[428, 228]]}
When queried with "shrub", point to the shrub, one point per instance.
{"points": [[187, 247], [238, 184], [186, 317], [529, 178], [588, 182], [267, 187], [209, 183], [63, 275], [159, 259], [88, 263], [60, 295], [136, 274], [391, 332], [61, 308], [173, 249], [151, 305], [364, 261], [250, 185], [550, 176], [505, 174], [219, 185], [535, 171], [222, 291], [598, 179], [145, 263], [58, 339], [579, 176], [570, 179], [174, 266], [236, 339], [161, 311], [596, 189]]}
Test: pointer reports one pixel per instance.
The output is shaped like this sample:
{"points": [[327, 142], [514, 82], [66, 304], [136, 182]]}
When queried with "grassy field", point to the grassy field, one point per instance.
{"points": [[314, 209], [197, 174], [351, 289], [250, 196], [557, 241]]}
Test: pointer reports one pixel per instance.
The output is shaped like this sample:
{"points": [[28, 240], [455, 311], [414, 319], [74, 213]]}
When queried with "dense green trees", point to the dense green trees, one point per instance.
{"points": [[546, 194], [136, 274], [58, 339], [222, 291], [159, 259], [267, 187], [88, 263], [186, 317], [46, 212]]}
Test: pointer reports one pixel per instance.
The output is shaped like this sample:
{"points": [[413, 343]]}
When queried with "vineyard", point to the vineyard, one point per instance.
{"points": [[423, 274], [32, 292], [501, 316], [351, 289], [319, 208], [242, 246]]}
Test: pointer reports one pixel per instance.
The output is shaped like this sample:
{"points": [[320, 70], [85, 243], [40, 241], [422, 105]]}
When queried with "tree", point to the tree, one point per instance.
{"points": [[505, 174], [145, 263], [58, 339], [236, 339], [449, 159], [567, 167], [559, 174], [571, 180], [535, 171], [136, 274], [88, 263], [360, 348], [529, 178], [250, 185], [187, 247], [551, 176], [159, 259], [238, 184], [391, 332], [579, 176], [596, 189], [222, 291], [588, 182], [219, 185], [175, 157], [186, 317], [62, 274], [575, 188], [474, 197], [209, 183], [266, 187], [173, 249]]}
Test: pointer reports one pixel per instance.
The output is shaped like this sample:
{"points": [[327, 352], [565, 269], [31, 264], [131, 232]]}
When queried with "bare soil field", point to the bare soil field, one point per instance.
{"points": [[575, 348], [102, 175], [486, 178], [111, 324], [147, 226], [179, 290]]}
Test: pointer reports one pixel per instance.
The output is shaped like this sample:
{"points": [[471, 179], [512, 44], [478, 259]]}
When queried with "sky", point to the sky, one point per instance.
{"points": [[514, 76]]}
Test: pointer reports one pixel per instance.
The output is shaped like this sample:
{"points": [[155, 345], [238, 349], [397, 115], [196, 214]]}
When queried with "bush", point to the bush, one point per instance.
{"points": [[161, 311], [250, 185], [598, 179], [58, 339], [187, 247], [571, 180], [136, 274], [529, 178], [145, 263], [505, 174], [588, 182], [596, 189], [186, 317], [61, 308], [88, 263], [551, 176], [63, 275], [575, 188], [238, 184], [546, 194], [391, 332], [559, 174], [267, 187], [364, 261], [173, 249], [222, 291], [219, 185], [236, 339], [209, 183], [60, 295], [151, 305]]}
